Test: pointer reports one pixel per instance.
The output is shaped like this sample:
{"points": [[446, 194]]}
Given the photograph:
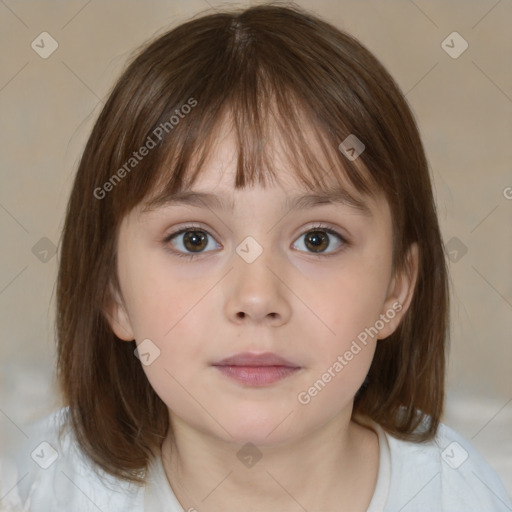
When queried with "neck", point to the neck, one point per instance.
{"points": [[333, 468]]}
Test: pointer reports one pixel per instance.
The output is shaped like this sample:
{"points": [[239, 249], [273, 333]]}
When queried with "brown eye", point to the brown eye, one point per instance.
{"points": [[318, 240], [190, 241], [194, 240]]}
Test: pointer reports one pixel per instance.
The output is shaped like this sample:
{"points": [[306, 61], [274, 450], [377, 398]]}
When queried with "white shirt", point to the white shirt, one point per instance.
{"points": [[443, 475]]}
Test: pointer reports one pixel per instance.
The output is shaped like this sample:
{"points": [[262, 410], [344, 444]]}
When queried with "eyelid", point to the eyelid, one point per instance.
{"points": [[329, 228], [186, 227]]}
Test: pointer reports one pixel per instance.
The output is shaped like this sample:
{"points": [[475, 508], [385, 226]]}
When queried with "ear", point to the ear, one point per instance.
{"points": [[400, 293], [117, 315]]}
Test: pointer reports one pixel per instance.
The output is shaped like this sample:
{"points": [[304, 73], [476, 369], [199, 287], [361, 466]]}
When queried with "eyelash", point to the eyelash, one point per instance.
{"points": [[192, 227]]}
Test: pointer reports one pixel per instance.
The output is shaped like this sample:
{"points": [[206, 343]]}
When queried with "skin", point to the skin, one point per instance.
{"points": [[301, 306]]}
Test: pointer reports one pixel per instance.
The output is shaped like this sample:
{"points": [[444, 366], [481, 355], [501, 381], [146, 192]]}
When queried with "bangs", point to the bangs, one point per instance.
{"points": [[265, 129]]}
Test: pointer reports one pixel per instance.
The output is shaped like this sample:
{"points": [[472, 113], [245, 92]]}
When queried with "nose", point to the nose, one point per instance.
{"points": [[256, 292]]}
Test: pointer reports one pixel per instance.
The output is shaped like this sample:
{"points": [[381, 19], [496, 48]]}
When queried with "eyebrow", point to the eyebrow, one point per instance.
{"points": [[214, 202]]}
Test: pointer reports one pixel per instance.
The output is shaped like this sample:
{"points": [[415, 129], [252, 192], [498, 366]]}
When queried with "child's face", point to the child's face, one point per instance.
{"points": [[293, 302]]}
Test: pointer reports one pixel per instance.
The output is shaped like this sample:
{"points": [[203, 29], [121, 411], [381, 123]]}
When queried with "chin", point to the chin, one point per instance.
{"points": [[261, 428]]}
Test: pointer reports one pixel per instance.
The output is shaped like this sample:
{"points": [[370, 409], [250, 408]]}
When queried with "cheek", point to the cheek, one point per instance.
{"points": [[158, 298], [171, 310], [349, 298], [175, 319], [349, 304]]}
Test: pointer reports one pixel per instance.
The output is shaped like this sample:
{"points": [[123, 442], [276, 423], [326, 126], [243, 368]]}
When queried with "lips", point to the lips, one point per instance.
{"points": [[258, 360], [256, 369]]}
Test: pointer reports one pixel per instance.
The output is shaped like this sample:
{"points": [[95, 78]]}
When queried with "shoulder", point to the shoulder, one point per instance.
{"points": [[47, 471], [446, 473]]}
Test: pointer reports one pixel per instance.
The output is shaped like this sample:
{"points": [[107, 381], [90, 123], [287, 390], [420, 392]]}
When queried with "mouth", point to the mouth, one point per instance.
{"points": [[257, 369]]}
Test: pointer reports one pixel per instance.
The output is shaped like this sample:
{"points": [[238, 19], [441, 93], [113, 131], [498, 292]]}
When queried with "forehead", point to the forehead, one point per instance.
{"points": [[214, 186]]}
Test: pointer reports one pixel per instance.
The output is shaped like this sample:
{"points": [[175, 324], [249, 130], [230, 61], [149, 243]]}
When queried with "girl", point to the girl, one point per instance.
{"points": [[252, 293]]}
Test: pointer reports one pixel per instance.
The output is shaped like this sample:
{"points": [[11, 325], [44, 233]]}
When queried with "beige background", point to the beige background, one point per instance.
{"points": [[463, 107]]}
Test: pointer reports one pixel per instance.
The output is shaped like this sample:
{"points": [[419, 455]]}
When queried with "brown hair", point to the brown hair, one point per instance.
{"points": [[263, 63]]}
